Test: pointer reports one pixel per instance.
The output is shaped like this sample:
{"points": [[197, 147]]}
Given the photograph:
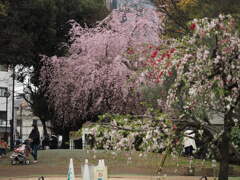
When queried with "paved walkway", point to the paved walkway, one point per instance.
{"points": [[120, 177]]}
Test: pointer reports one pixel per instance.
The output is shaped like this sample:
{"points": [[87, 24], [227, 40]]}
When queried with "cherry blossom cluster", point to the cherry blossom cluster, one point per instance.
{"points": [[146, 133], [206, 63], [94, 77]]}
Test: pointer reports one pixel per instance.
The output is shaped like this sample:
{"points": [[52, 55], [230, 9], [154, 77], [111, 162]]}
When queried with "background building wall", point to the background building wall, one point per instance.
{"points": [[25, 119], [5, 82]]}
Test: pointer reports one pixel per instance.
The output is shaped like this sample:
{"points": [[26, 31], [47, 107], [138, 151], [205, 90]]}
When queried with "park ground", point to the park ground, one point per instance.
{"points": [[53, 165], [121, 178]]}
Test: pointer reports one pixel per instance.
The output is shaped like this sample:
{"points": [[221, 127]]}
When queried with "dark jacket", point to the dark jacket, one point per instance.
{"points": [[34, 135]]}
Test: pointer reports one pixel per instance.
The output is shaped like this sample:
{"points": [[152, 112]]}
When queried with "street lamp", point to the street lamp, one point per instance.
{"points": [[6, 95]]}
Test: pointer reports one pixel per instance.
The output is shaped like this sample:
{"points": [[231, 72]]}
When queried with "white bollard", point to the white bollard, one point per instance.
{"points": [[71, 175], [86, 171], [103, 163], [100, 171]]}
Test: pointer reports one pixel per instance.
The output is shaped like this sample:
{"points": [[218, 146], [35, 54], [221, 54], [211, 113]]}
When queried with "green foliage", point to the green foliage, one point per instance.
{"points": [[33, 28], [179, 13], [75, 134], [235, 137], [3, 9], [185, 4]]}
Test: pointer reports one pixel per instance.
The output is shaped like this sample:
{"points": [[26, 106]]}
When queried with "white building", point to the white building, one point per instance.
{"points": [[25, 118], [5, 99], [116, 4], [112, 4], [6, 94]]}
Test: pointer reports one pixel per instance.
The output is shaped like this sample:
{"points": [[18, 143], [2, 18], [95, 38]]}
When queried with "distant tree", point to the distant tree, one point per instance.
{"points": [[32, 28]]}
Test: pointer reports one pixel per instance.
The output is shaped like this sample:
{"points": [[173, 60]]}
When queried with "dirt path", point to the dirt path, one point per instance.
{"points": [[113, 178]]}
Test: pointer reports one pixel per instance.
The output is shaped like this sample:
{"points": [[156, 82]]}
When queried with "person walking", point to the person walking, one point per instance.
{"points": [[35, 141], [189, 142], [3, 147]]}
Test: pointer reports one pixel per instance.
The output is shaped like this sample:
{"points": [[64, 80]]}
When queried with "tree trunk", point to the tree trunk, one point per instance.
{"points": [[65, 139], [224, 162], [45, 133], [224, 148]]}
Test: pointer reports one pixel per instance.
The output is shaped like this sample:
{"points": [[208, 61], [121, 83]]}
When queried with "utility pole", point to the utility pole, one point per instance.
{"points": [[21, 123], [6, 128], [13, 113], [6, 94]]}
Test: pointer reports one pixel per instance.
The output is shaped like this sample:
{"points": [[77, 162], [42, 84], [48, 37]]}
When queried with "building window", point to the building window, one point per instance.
{"points": [[2, 91], [19, 123], [114, 4], [3, 117], [3, 67]]}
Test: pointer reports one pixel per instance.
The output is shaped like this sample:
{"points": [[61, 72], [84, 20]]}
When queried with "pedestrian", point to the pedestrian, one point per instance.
{"points": [[3, 147], [35, 141], [189, 142]]}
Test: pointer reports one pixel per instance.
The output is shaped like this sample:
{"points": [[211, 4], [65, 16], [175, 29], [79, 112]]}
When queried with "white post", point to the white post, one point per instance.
{"points": [[86, 171], [71, 145], [83, 139]]}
